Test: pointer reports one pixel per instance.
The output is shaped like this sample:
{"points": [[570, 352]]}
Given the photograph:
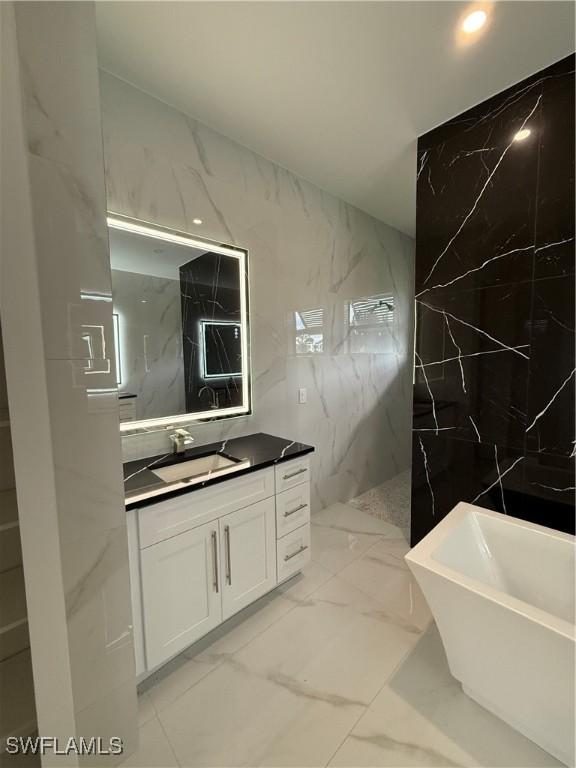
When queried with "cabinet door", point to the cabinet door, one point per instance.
{"points": [[180, 592], [248, 555]]}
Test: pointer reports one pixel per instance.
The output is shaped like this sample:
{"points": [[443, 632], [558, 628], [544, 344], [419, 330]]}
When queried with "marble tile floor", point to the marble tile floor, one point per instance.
{"points": [[341, 666]]}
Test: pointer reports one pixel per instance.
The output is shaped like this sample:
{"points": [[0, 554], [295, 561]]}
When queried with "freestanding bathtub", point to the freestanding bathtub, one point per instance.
{"points": [[502, 593]]}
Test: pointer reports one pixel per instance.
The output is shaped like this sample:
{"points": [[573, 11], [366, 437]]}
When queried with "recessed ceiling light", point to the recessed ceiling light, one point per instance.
{"points": [[474, 21], [196, 221], [523, 134]]}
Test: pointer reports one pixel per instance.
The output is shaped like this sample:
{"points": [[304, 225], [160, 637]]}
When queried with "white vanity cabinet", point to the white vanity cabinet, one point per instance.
{"points": [[247, 555], [180, 592], [199, 558]]}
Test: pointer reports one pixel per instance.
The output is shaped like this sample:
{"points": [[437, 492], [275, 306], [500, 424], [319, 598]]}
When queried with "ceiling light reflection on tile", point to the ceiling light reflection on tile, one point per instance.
{"points": [[474, 21], [522, 135]]}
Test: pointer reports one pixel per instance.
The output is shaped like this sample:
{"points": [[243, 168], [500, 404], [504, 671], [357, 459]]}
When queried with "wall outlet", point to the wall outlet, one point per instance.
{"points": [[302, 395]]}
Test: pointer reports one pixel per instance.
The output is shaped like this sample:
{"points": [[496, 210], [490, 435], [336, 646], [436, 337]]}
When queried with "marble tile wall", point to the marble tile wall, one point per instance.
{"points": [[54, 289], [210, 287], [309, 253], [150, 330], [494, 397]]}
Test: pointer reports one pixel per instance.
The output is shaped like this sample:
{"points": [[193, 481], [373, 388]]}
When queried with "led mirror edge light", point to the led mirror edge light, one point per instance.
{"points": [[245, 329], [139, 226], [145, 426]]}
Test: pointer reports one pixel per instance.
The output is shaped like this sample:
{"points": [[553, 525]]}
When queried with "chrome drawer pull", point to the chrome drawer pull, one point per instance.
{"points": [[294, 554], [228, 563], [295, 474], [215, 555], [293, 511]]}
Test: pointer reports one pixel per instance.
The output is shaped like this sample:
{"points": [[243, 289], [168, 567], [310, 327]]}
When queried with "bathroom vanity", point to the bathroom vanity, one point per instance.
{"points": [[213, 528], [210, 531]]}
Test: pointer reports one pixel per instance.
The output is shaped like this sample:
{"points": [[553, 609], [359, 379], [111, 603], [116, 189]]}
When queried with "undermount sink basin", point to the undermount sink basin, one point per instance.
{"points": [[196, 469]]}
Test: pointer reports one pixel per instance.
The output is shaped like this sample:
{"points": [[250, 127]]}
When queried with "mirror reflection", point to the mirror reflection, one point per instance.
{"points": [[371, 324], [362, 325], [181, 326]]}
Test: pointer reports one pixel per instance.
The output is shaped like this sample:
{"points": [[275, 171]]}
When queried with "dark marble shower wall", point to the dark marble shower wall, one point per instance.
{"points": [[494, 391]]}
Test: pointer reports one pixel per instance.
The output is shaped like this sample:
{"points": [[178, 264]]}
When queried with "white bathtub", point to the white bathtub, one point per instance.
{"points": [[502, 593]]}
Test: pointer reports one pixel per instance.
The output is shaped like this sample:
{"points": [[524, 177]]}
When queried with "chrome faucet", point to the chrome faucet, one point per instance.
{"points": [[181, 440], [213, 394]]}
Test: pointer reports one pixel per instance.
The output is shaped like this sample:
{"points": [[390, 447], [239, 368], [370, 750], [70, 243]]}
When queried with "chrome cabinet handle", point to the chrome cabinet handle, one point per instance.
{"points": [[215, 556], [295, 474], [294, 554], [293, 511], [228, 563]]}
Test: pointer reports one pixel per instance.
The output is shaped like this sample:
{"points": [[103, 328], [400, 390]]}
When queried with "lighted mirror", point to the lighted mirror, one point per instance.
{"points": [[180, 326]]}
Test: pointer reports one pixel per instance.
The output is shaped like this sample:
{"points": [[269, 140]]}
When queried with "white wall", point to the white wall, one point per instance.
{"points": [[307, 251]]}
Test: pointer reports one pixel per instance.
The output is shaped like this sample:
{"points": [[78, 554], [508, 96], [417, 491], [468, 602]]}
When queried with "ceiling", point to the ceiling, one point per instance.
{"points": [[337, 92], [130, 252]]}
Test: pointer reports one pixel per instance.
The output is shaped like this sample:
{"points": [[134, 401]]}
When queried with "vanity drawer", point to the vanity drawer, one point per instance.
{"points": [[292, 473], [293, 552], [292, 509], [173, 516]]}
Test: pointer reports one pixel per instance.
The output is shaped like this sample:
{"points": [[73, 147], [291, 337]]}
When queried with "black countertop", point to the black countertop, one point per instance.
{"points": [[143, 487]]}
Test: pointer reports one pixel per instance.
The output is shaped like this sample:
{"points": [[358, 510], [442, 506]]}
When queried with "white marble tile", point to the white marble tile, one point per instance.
{"points": [[337, 640], [62, 123], [70, 231], [422, 718], [111, 715], [63, 136], [238, 631], [242, 719], [146, 710], [305, 583], [173, 680], [98, 609], [290, 696], [381, 572], [154, 750], [343, 517], [334, 549], [84, 415], [340, 534]]}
